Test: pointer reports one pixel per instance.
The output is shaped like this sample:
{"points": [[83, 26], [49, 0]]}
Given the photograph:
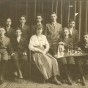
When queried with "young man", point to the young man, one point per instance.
{"points": [[10, 32], [69, 61], [38, 23], [53, 32], [73, 33], [4, 51], [19, 52], [24, 28], [83, 60]]}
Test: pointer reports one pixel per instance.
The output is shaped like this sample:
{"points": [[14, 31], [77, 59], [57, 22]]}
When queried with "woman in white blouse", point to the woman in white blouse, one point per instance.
{"points": [[46, 63]]}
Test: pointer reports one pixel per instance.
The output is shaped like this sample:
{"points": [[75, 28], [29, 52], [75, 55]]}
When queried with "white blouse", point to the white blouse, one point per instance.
{"points": [[38, 41]]}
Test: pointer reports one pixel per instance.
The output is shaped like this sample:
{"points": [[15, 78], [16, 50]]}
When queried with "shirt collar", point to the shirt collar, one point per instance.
{"points": [[38, 23], [54, 22], [7, 27]]}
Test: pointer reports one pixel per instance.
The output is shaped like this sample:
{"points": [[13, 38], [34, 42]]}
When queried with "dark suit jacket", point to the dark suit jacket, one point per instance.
{"points": [[11, 33], [81, 44], [75, 37], [34, 27], [68, 42], [25, 31], [53, 33], [20, 46]]}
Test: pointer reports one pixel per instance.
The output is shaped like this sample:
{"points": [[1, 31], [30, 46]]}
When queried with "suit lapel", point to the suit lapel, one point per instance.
{"points": [[73, 32]]}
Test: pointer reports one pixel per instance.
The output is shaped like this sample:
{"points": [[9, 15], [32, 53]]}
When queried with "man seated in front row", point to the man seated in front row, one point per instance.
{"points": [[4, 51], [67, 63], [83, 60], [19, 52]]}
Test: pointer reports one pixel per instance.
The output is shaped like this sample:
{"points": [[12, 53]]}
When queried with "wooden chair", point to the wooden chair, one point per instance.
{"points": [[34, 71]]}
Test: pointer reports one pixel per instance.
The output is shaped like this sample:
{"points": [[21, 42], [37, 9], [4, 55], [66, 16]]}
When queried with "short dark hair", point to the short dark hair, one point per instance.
{"points": [[38, 14], [71, 20], [23, 16], [18, 29], [53, 13]]}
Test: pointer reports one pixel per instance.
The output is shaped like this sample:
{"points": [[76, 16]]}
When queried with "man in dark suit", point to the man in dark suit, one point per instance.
{"points": [[4, 51], [82, 61], [38, 23], [19, 52], [10, 32], [73, 33], [24, 28], [53, 32]]}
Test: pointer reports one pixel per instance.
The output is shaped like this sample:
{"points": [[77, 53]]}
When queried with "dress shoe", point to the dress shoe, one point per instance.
{"points": [[69, 80], [56, 81], [83, 81], [20, 74], [1, 79]]}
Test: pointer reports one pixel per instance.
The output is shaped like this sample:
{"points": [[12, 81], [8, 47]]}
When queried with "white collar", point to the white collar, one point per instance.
{"points": [[38, 23], [54, 22]]}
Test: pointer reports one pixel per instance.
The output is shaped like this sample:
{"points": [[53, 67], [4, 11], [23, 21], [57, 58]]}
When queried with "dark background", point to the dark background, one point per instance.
{"points": [[65, 10]]}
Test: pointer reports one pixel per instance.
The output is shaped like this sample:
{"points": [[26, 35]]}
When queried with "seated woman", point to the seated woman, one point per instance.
{"points": [[83, 60], [46, 63], [68, 62]]}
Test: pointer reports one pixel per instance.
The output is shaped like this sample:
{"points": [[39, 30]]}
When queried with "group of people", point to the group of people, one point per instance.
{"points": [[43, 41]]}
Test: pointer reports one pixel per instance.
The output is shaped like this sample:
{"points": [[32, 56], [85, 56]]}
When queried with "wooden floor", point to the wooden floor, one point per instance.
{"points": [[34, 84]]}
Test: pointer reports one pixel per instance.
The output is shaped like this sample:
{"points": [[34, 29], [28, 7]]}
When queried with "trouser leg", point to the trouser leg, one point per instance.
{"points": [[3, 66]]}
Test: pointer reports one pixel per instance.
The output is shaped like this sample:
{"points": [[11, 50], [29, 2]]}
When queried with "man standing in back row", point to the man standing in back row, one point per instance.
{"points": [[53, 32]]}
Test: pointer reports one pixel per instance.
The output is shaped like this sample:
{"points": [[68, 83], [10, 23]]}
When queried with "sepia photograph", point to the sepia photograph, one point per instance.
{"points": [[43, 43]]}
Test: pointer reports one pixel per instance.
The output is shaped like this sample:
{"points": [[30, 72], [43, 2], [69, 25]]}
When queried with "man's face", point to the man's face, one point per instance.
{"points": [[39, 19], [72, 24], [85, 38], [53, 17], [8, 22], [22, 20], [65, 33], [2, 31], [18, 33]]}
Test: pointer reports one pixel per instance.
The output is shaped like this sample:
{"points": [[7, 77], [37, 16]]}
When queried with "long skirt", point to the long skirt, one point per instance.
{"points": [[47, 64]]}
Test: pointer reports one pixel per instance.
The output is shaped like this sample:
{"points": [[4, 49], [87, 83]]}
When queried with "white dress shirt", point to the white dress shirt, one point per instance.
{"points": [[18, 39]]}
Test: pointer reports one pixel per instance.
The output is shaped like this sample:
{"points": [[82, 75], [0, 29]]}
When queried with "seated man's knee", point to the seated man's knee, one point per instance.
{"points": [[24, 57]]}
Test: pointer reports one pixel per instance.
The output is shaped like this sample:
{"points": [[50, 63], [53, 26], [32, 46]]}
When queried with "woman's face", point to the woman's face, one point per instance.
{"points": [[39, 32]]}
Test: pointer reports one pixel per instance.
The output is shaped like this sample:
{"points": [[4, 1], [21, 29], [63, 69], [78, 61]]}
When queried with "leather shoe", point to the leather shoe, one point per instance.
{"points": [[1, 79], [69, 80], [83, 81]]}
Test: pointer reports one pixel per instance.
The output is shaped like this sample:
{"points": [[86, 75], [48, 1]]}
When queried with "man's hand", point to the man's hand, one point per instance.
{"points": [[79, 48], [12, 54], [24, 53]]}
